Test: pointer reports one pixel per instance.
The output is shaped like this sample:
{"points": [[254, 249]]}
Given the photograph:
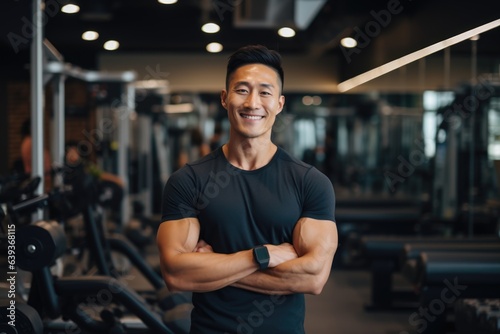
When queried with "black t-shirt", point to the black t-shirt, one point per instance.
{"points": [[239, 210]]}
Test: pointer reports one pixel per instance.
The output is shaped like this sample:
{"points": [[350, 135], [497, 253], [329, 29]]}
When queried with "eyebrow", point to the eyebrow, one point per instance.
{"points": [[246, 83]]}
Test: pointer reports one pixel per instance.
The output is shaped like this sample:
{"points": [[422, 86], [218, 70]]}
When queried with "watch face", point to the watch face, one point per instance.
{"points": [[261, 256], [262, 253]]}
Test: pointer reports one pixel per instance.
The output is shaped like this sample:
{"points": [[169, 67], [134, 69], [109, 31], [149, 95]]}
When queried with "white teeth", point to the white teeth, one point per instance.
{"points": [[251, 117]]}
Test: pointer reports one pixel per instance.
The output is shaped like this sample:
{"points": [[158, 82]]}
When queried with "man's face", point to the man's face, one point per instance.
{"points": [[72, 156], [252, 100]]}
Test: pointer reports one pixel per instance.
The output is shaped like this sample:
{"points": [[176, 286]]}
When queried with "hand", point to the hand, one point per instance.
{"points": [[280, 253], [203, 247]]}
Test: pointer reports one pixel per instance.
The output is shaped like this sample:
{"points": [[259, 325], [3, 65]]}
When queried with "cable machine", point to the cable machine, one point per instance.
{"points": [[56, 71]]}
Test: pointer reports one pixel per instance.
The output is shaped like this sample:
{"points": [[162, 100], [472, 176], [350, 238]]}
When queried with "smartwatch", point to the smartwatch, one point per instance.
{"points": [[261, 256]]}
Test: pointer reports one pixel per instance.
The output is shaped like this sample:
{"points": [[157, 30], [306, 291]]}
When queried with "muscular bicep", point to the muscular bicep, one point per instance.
{"points": [[184, 268], [316, 240], [175, 237]]}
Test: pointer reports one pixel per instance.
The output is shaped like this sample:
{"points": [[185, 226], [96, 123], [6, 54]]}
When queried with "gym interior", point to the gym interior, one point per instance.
{"points": [[396, 102]]}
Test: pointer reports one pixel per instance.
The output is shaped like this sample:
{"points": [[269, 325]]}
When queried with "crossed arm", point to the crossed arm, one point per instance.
{"points": [[189, 264]]}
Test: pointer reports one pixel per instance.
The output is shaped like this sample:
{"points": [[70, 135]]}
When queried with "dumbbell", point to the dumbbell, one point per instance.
{"points": [[39, 244]]}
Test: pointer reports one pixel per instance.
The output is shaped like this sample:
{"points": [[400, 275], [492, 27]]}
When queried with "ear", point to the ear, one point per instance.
{"points": [[281, 103], [223, 98]]}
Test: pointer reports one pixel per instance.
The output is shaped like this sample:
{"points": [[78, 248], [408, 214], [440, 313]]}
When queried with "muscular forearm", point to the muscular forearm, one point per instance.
{"points": [[202, 272], [315, 243], [301, 275]]}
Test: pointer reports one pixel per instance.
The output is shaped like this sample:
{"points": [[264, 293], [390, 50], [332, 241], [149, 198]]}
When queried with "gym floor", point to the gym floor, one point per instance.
{"points": [[340, 308]]}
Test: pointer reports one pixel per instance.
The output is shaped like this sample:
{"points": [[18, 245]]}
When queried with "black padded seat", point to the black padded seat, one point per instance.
{"points": [[384, 255], [378, 215], [391, 247], [469, 268], [411, 252], [448, 277]]}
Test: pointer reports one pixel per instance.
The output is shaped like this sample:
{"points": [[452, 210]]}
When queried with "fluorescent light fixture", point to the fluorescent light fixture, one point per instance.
{"points": [[214, 47], [151, 84], [111, 45], [90, 35], [70, 8], [348, 42], [210, 28], [286, 32], [178, 108], [409, 58], [167, 2]]}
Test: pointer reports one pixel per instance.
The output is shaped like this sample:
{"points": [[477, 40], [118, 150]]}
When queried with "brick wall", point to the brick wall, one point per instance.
{"points": [[18, 107]]}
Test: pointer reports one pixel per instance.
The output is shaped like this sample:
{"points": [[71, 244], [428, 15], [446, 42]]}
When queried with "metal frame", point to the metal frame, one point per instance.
{"points": [[48, 64]]}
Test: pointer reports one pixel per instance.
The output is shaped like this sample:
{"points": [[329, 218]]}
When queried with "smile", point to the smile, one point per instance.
{"points": [[252, 117]]}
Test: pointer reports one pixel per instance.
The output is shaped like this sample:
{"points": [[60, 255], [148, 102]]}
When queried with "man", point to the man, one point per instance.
{"points": [[248, 228], [26, 151]]}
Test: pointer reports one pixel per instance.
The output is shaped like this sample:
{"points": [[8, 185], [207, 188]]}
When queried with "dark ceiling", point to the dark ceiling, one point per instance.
{"points": [[146, 26]]}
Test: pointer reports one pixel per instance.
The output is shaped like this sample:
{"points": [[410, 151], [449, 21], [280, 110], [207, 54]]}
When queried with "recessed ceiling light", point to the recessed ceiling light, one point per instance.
{"points": [[348, 42], [210, 28], [214, 47], [167, 2], [90, 35], [111, 45], [316, 100], [307, 100], [70, 8], [286, 32]]}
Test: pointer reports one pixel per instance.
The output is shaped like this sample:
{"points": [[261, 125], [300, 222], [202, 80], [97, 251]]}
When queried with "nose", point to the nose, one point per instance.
{"points": [[252, 101]]}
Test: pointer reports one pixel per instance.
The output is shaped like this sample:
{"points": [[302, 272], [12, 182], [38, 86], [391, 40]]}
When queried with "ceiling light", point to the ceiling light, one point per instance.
{"points": [[178, 108], [90, 35], [210, 28], [316, 100], [111, 45], [167, 2], [214, 47], [348, 42], [286, 32], [307, 100], [70, 8]]}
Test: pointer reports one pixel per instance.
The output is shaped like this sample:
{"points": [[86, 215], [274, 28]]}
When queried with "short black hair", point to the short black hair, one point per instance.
{"points": [[255, 54]]}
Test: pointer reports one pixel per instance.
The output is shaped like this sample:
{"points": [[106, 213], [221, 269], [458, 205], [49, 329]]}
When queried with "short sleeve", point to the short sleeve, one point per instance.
{"points": [[179, 199], [319, 196]]}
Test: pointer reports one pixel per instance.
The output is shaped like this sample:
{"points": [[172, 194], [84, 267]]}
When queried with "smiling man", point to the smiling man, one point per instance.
{"points": [[248, 228]]}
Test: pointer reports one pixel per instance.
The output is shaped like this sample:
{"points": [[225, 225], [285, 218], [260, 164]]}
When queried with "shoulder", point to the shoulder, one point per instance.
{"points": [[197, 168], [296, 165], [26, 143], [206, 160], [308, 172], [292, 161]]}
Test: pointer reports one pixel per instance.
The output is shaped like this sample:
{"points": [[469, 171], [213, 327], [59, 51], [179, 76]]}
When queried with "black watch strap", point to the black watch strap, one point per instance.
{"points": [[261, 256]]}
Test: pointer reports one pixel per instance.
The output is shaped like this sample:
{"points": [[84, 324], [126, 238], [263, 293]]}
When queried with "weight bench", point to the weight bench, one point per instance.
{"points": [[411, 253], [384, 254], [445, 277]]}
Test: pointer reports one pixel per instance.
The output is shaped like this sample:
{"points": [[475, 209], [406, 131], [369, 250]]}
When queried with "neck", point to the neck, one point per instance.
{"points": [[249, 154]]}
